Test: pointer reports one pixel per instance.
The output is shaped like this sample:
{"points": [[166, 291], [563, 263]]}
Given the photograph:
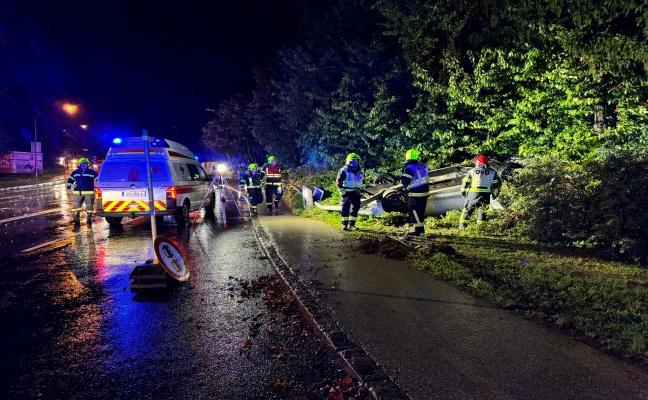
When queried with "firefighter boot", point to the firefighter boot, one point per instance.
{"points": [[77, 220], [89, 218], [276, 203]]}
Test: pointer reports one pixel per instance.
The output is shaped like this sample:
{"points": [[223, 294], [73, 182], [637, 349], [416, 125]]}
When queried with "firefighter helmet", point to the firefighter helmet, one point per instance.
{"points": [[352, 156], [412, 154], [252, 166], [84, 160], [270, 159], [482, 159]]}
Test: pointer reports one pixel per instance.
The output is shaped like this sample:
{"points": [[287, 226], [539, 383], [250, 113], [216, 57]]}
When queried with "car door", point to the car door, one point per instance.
{"points": [[199, 183]]}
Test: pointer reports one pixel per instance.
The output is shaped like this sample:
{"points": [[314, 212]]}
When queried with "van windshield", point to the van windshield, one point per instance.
{"points": [[133, 171]]}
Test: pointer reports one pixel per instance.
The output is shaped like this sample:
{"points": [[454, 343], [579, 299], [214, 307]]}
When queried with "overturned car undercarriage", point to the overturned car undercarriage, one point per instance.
{"points": [[386, 194]]}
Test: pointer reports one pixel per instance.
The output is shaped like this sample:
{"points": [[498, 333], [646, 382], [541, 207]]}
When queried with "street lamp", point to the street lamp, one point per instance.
{"points": [[68, 108]]}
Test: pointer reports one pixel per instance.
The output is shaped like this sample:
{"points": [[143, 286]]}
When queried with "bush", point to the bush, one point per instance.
{"points": [[597, 205], [308, 176]]}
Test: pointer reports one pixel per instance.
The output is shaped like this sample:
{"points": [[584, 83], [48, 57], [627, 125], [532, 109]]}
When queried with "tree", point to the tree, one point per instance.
{"points": [[230, 132]]}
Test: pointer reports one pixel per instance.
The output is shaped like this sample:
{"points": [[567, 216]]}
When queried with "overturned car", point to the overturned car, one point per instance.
{"points": [[445, 189]]}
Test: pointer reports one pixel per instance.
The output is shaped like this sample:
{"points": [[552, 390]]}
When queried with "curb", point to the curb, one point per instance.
{"points": [[30, 186], [354, 359]]}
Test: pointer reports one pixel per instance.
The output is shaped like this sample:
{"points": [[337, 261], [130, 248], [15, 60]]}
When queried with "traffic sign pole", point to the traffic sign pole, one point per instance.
{"points": [[146, 138]]}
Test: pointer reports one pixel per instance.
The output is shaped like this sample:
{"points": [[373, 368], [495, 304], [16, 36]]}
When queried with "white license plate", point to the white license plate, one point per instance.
{"points": [[135, 193]]}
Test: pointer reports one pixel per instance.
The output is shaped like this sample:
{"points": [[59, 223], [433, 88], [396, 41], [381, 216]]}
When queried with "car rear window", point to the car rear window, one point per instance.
{"points": [[133, 171]]}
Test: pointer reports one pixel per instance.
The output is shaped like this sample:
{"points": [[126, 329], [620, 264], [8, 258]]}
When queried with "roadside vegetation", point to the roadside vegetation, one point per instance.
{"points": [[568, 251]]}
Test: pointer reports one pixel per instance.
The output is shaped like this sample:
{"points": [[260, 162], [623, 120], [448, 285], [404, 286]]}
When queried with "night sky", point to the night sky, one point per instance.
{"points": [[134, 65]]}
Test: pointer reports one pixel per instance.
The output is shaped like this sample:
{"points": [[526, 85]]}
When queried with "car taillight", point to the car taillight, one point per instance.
{"points": [[171, 193], [98, 194]]}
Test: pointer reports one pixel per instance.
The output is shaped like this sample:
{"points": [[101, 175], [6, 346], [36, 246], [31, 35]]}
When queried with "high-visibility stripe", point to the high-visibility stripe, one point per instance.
{"points": [[415, 194], [132, 206]]}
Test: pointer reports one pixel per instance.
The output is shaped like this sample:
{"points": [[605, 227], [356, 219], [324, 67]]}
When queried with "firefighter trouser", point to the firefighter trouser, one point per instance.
{"points": [[256, 197], [350, 203], [474, 200], [273, 190], [79, 199], [416, 206]]}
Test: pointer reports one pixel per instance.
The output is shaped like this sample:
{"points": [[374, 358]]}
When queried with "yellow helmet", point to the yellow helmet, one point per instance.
{"points": [[270, 159], [83, 160], [352, 156], [252, 166], [412, 154]]}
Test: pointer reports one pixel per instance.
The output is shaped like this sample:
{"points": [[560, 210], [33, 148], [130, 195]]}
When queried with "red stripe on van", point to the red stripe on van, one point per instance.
{"points": [[178, 155]]}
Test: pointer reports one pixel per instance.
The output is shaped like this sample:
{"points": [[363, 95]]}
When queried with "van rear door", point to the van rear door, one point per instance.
{"points": [[124, 185]]}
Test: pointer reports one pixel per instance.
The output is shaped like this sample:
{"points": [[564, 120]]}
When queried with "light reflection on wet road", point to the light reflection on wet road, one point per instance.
{"points": [[72, 329]]}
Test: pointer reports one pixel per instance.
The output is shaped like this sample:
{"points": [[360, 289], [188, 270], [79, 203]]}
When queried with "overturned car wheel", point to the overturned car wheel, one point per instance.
{"points": [[384, 178], [394, 200]]}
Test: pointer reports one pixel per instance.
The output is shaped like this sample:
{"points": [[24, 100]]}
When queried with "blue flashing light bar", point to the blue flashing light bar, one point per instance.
{"points": [[117, 141], [160, 143]]}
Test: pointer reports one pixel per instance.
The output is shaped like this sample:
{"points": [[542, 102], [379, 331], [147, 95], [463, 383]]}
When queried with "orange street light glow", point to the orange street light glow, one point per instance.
{"points": [[70, 108]]}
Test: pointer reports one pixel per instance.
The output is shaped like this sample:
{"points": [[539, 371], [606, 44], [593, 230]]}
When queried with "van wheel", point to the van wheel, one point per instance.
{"points": [[114, 220], [182, 214]]}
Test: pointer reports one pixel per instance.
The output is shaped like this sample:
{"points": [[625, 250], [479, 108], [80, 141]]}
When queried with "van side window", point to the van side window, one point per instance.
{"points": [[203, 173], [196, 175], [182, 171]]}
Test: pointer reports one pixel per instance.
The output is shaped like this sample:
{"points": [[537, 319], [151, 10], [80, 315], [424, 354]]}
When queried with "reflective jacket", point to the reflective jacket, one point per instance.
{"points": [[82, 182], [348, 180], [272, 175], [253, 181], [415, 178], [481, 179]]}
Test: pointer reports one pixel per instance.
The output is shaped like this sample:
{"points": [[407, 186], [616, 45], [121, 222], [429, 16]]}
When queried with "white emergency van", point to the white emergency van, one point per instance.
{"points": [[179, 181]]}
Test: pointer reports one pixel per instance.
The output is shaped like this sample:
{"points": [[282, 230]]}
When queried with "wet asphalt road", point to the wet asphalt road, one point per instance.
{"points": [[71, 328]]}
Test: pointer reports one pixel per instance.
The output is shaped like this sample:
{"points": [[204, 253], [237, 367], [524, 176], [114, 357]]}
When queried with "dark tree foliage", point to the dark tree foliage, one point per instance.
{"points": [[267, 125], [230, 132], [453, 78]]}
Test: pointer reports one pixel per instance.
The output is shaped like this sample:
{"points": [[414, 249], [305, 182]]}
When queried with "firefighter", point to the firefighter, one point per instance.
{"points": [[242, 177], [350, 182], [253, 181], [81, 183], [273, 190], [415, 179], [478, 185]]}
